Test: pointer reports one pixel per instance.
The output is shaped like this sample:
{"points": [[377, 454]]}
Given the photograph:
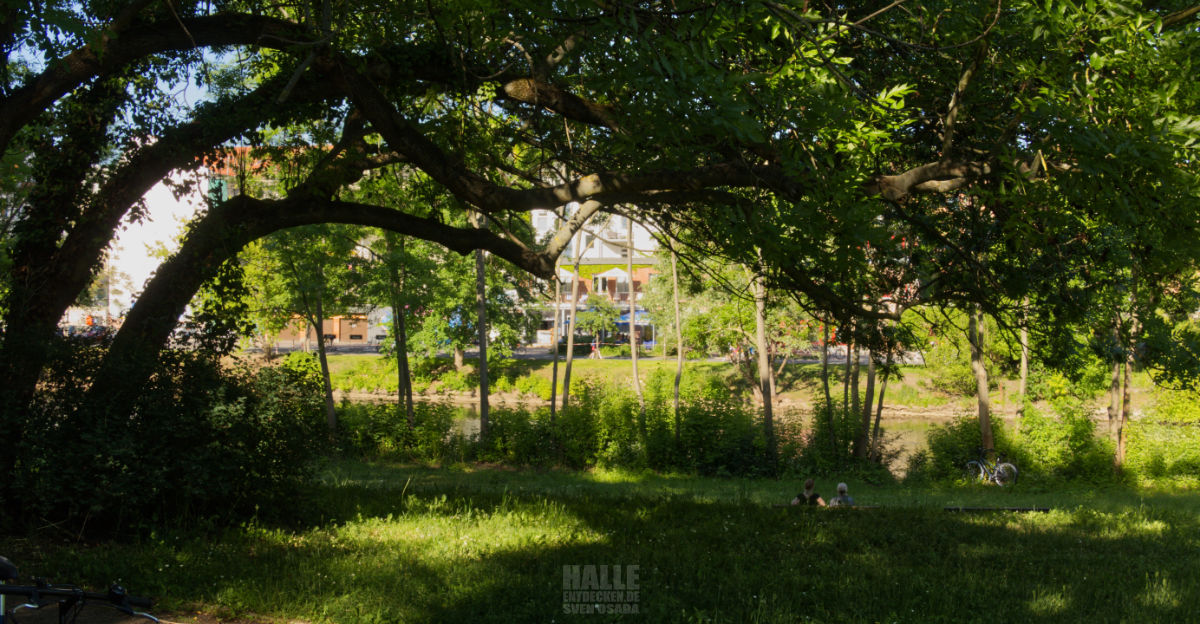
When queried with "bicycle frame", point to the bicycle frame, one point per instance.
{"points": [[70, 598], [999, 471]]}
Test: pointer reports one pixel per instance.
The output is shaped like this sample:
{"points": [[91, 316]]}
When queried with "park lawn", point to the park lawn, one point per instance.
{"points": [[389, 543]]}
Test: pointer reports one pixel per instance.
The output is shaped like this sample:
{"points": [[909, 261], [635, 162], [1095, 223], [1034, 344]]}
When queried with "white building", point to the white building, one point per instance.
{"points": [[602, 250]]}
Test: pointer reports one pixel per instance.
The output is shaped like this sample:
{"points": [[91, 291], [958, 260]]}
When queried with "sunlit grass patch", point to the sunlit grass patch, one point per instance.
{"points": [[389, 543], [1047, 603]]}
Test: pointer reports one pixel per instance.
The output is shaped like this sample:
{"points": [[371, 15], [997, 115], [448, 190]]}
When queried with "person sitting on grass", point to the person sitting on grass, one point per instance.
{"points": [[809, 496], [842, 499]]}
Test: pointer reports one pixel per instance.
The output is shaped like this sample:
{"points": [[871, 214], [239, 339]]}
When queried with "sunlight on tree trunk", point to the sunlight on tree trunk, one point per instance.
{"points": [[1022, 390], [400, 335], [875, 442], [864, 431], [1125, 408], [1114, 389], [764, 366], [976, 338], [571, 323], [482, 325]]}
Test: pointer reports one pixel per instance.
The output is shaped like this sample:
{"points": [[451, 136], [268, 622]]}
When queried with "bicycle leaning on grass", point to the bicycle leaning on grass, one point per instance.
{"points": [[70, 599], [999, 472]]}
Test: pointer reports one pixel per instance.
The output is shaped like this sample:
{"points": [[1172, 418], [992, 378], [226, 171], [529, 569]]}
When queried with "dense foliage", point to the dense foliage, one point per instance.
{"points": [[1034, 159], [204, 445]]}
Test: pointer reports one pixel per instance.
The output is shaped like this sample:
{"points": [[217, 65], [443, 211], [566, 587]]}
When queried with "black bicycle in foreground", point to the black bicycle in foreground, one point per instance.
{"points": [[19, 603]]}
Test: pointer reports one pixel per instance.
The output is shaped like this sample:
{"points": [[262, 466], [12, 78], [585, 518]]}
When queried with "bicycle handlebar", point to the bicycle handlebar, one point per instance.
{"points": [[115, 596], [68, 596]]}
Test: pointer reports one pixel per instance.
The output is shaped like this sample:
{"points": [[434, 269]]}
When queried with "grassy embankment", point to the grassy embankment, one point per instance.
{"points": [[798, 383], [390, 543]]}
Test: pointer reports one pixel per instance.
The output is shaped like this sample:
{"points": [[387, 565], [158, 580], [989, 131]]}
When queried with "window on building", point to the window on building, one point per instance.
{"points": [[217, 190]]}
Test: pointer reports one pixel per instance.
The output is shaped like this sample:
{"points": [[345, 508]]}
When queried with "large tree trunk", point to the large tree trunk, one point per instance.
{"points": [[1114, 389], [1023, 389], [482, 324], [318, 321], [678, 337], [220, 234], [56, 246], [1126, 392], [403, 366], [976, 338], [460, 358], [764, 367], [633, 335], [864, 432], [571, 325], [1125, 407], [875, 441], [400, 332]]}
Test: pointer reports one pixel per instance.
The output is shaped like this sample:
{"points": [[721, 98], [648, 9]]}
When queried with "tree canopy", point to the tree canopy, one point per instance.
{"points": [[929, 152]]}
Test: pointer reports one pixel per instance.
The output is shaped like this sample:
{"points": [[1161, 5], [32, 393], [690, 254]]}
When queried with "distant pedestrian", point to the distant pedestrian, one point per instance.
{"points": [[842, 499]]}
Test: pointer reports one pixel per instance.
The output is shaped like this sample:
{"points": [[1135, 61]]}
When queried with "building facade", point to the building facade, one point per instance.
{"points": [[602, 252]]}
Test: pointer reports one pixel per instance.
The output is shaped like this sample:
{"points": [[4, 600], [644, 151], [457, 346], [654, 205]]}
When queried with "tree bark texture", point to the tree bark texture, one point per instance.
{"points": [[976, 338], [875, 436], [400, 333], [864, 431], [764, 366], [566, 396], [318, 321]]}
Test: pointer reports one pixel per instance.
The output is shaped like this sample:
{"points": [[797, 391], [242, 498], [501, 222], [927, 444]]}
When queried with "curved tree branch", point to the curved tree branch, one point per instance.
{"points": [[112, 53], [220, 234]]}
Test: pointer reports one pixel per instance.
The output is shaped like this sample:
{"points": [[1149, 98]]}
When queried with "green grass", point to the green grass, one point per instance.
{"points": [[387, 543], [372, 373]]}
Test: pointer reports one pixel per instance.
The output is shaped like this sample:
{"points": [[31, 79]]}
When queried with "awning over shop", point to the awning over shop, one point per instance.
{"points": [[614, 273], [641, 317]]}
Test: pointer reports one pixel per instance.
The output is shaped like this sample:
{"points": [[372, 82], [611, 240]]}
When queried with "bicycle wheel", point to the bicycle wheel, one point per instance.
{"points": [[1006, 474], [974, 471]]}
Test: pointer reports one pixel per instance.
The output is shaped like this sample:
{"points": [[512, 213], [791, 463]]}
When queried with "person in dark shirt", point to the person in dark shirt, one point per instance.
{"points": [[809, 496]]}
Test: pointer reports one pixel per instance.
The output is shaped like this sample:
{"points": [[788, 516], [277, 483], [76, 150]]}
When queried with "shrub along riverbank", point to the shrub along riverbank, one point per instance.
{"points": [[720, 433]]}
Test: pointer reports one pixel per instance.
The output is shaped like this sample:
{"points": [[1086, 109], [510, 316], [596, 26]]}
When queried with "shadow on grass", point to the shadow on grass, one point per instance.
{"points": [[390, 543]]}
